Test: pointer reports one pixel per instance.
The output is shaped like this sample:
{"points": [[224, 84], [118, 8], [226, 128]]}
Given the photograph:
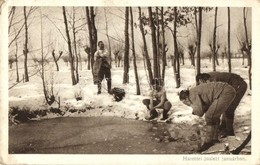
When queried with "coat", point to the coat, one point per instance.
{"points": [[232, 79], [211, 99], [96, 69]]}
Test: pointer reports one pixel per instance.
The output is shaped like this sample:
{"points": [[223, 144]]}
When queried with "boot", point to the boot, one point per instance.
{"points": [[153, 114], [109, 82], [165, 114], [215, 136], [208, 142], [223, 123], [99, 88], [229, 130]]}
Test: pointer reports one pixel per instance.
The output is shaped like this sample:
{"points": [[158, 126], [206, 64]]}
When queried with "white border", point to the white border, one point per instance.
{"points": [[125, 159]]}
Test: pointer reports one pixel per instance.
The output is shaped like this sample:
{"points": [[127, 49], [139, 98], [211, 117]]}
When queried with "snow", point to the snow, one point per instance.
{"points": [[30, 93]]}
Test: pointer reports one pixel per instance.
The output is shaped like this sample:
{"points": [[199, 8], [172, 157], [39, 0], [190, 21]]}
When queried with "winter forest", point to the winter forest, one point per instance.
{"points": [[51, 60]]}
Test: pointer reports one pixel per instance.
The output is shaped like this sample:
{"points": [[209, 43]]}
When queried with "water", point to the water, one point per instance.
{"points": [[95, 135]]}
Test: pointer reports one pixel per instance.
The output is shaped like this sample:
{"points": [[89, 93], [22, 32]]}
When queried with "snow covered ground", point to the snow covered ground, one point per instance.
{"points": [[29, 95]]}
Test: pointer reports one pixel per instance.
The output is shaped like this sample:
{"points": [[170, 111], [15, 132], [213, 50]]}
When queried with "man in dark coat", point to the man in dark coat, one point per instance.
{"points": [[211, 99], [226, 127], [102, 67]]}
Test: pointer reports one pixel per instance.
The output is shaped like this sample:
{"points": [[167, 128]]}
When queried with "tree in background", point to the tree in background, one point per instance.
{"points": [[108, 38], [214, 46], [247, 46], [192, 51], [87, 49], [134, 55], [163, 45], [176, 62], [178, 16], [26, 50], [73, 78], [142, 21], [126, 55], [56, 59], [154, 44], [229, 45], [92, 32]]}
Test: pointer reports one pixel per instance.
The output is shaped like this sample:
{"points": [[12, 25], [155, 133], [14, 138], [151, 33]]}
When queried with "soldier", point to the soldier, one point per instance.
{"points": [[226, 127], [211, 99], [102, 67], [158, 99]]}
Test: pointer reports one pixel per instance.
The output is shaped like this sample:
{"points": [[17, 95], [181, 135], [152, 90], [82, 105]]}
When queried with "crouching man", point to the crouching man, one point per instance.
{"points": [[211, 99], [158, 99]]}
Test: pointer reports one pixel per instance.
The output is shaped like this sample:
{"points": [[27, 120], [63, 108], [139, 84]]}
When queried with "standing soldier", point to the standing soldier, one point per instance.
{"points": [[102, 67], [226, 127], [211, 99]]}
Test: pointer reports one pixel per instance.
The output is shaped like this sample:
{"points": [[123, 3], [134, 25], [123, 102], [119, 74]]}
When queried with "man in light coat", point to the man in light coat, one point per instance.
{"points": [[238, 83], [211, 99]]}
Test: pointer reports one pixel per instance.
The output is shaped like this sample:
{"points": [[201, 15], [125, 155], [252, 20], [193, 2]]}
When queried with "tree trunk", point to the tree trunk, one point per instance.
{"points": [[75, 46], [94, 35], [126, 55], [90, 38], [108, 39], [134, 56], [157, 43], [69, 47], [42, 65], [199, 28], [16, 60], [248, 50], [229, 53], [155, 57], [55, 60], [163, 46], [25, 51], [176, 52], [147, 58], [214, 49]]}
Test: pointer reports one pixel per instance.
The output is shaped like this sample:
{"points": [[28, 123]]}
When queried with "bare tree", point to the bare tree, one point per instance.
{"points": [[88, 51], [157, 23], [214, 46], [108, 38], [248, 47], [25, 51], [126, 56], [134, 56], [176, 66], [92, 32], [74, 82], [199, 29], [16, 60], [56, 59], [48, 94], [229, 53], [146, 55], [192, 51], [154, 45], [75, 45], [163, 45]]}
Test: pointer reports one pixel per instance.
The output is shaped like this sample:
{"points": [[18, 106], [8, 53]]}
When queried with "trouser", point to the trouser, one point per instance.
{"points": [[228, 117], [104, 73], [220, 105], [166, 106]]}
